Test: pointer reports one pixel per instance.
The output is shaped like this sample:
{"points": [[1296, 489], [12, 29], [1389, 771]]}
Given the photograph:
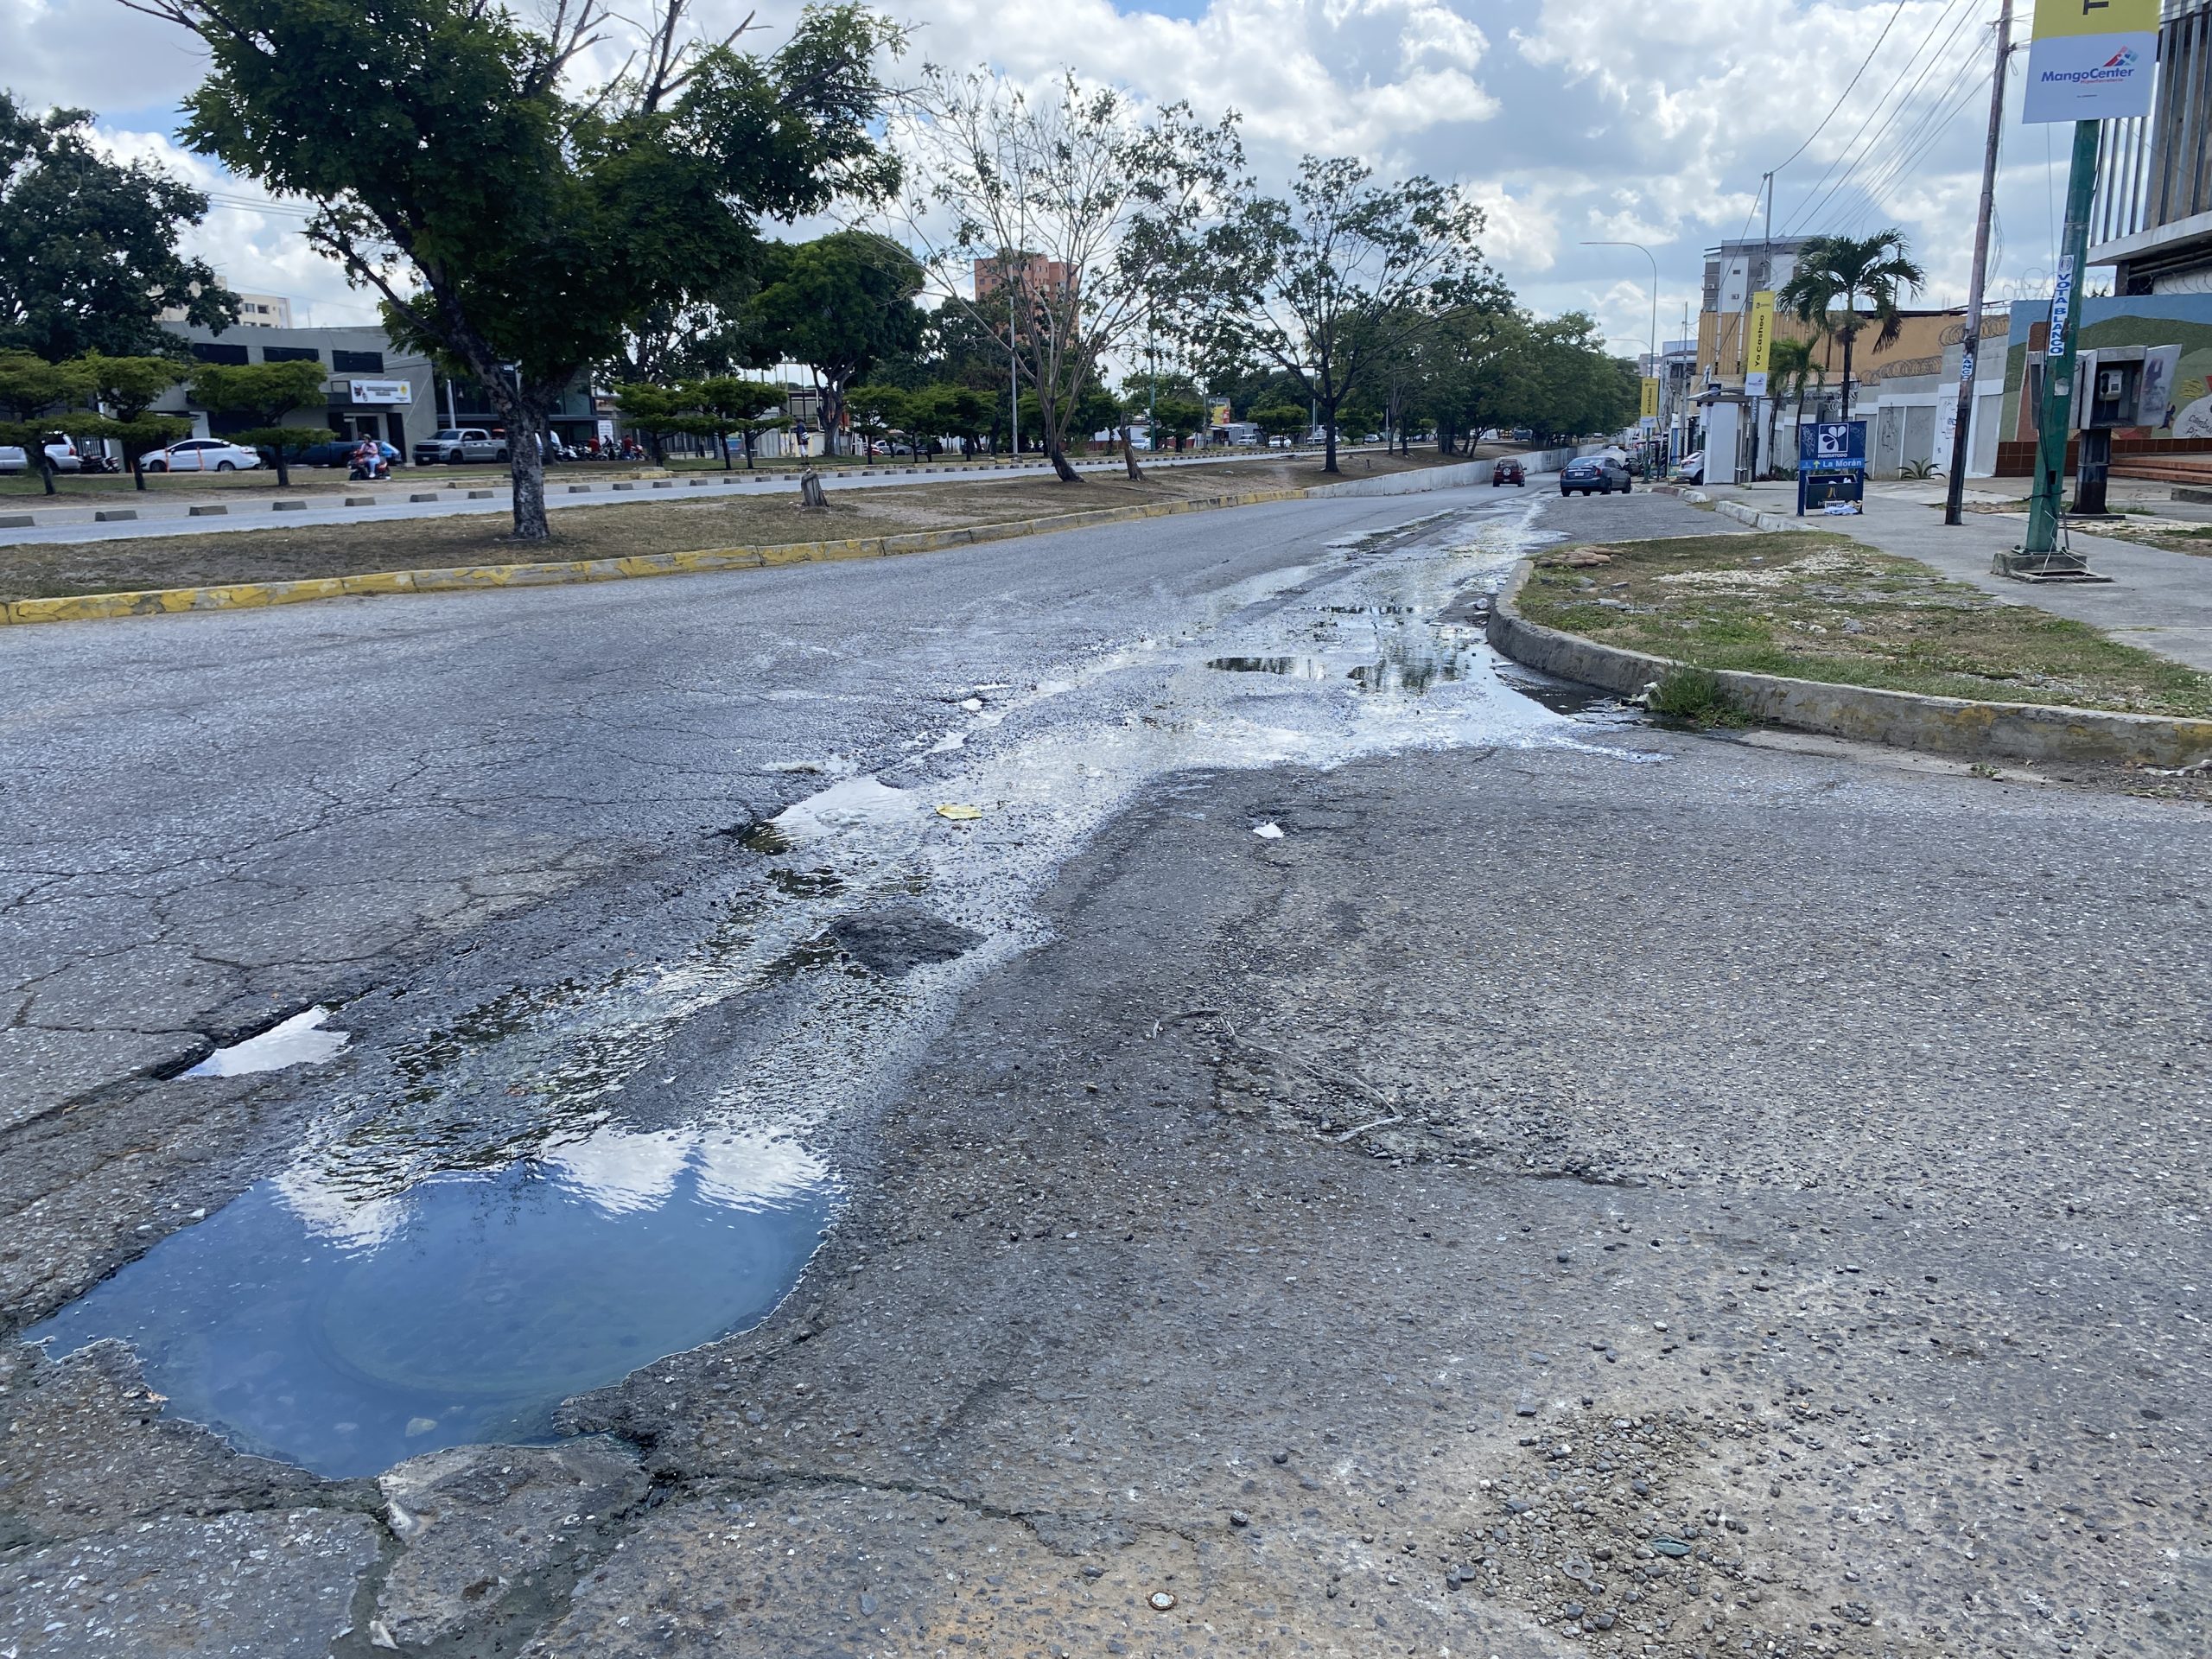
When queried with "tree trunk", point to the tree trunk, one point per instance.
{"points": [[1847, 336], [283, 468], [1129, 454], [1329, 441], [45, 464], [526, 465], [1056, 451]]}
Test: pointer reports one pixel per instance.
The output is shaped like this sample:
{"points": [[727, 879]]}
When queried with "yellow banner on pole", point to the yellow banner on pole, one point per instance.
{"points": [[1649, 409], [2057, 17], [1762, 343]]}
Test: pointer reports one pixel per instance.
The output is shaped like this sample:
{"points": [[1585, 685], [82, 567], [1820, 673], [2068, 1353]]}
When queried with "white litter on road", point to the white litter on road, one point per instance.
{"points": [[1269, 831]]}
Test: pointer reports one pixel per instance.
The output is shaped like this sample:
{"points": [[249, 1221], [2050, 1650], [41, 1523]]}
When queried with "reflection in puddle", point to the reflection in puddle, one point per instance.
{"points": [[346, 1336], [1295, 668], [295, 1041]]}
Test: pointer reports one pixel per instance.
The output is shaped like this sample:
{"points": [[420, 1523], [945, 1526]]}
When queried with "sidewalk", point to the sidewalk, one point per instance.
{"points": [[2158, 599]]}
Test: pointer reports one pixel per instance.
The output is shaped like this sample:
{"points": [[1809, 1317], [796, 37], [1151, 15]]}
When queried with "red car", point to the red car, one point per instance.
{"points": [[1508, 472]]}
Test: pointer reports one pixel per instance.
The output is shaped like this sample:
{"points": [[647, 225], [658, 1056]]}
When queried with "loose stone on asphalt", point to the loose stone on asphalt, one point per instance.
{"points": [[1771, 1221]]}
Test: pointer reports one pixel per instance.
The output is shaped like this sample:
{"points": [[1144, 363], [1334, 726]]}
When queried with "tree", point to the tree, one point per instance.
{"points": [[88, 247], [729, 405], [1327, 285], [943, 409], [1176, 418], [656, 411], [841, 305], [261, 395], [1476, 371], [1280, 420], [1835, 274], [30, 388], [877, 411], [127, 388], [1071, 216], [1789, 369], [509, 211]]}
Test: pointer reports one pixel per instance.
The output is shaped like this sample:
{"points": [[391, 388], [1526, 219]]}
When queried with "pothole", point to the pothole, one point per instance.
{"points": [[300, 1040]]}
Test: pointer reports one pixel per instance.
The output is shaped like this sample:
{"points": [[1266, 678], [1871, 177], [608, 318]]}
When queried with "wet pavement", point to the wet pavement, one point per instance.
{"points": [[1263, 1109]]}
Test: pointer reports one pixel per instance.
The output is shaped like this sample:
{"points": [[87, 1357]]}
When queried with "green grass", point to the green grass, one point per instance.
{"points": [[1819, 607]]}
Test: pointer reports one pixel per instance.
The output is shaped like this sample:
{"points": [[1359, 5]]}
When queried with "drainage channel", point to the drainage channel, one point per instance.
{"points": [[573, 1179]]}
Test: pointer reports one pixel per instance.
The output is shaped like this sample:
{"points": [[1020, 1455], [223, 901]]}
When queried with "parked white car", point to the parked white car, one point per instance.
{"points": [[203, 455], [60, 454]]}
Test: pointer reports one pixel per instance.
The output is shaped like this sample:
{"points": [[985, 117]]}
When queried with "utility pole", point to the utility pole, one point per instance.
{"points": [[2039, 558], [1970, 344], [1766, 252]]}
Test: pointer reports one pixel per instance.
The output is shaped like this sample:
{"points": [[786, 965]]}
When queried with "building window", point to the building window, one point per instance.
{"points": [[206, 352], [356, 362], [291, 354]]}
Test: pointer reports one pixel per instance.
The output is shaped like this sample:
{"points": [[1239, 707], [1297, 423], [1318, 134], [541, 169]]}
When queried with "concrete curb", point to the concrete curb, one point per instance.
{"points": [[1906, 720], [252, 595]]}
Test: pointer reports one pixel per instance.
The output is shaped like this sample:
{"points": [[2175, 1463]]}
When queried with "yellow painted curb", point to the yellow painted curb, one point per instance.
{"points": [[254, 596]]}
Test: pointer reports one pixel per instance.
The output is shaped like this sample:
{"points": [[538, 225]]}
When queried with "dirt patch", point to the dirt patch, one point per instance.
{"points": [[1823, 607], [677, 525]]}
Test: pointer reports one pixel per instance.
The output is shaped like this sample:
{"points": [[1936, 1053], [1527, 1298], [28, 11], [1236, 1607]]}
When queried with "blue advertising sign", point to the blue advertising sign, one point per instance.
{"points": [[1832, 446], [1831, 466]]}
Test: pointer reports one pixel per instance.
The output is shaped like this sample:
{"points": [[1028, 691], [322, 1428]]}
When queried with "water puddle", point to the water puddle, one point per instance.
{"points": [[299, 1040], [346, 1335]]}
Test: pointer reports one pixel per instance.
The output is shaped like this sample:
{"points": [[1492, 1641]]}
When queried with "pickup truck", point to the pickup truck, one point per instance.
{"points": [[457, 444]]}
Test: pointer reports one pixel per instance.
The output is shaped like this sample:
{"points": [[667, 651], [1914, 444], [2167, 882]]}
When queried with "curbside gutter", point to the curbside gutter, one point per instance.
{"points": [[2016, 731], [252, 595]]}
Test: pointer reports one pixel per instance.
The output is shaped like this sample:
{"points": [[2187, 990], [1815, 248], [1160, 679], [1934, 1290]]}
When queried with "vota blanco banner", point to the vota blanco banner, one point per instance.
{"points": [[2089, 77]]}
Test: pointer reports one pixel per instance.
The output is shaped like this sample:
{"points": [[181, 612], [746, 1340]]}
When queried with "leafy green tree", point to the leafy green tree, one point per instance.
{"points": [[1792, 370], [261, 395], [840, 304], [511, 211], [127, 388], [31, 390], [1328, 284], [1176, 417], [88, 247], [1835, 275], [945, 409], [876, 412], [1062, 223], [729, 405], [1279, 420], [657, 412]]}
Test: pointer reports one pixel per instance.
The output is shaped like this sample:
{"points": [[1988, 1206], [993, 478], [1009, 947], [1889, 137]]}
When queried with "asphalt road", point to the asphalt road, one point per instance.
{"points": [[1336, 1155]]}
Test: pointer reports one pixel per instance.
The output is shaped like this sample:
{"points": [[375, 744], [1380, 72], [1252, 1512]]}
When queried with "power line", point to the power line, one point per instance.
{"points": [[1890, 140], [1895, 13], [1923, 137], [1809, 207]]}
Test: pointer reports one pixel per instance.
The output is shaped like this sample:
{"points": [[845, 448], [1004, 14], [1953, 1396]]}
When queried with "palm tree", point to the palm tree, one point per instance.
{"points": [[1789, 365], [1852, 269]]}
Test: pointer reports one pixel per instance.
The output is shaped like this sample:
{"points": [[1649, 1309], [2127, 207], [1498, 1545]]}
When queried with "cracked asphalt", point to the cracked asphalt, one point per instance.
{"points": [[1575, 1188]]}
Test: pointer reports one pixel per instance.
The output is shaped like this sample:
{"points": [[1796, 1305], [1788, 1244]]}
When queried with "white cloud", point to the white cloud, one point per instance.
{"points": [[1570, 120]]}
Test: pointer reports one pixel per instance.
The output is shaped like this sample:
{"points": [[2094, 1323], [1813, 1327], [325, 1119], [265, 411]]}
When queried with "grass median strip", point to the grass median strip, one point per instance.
{"points": [[1817, 607], [307, 552]]}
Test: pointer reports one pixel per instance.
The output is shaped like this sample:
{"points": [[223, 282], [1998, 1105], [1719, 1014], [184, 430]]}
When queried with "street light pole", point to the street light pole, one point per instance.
{"points": [[1647, 253]]}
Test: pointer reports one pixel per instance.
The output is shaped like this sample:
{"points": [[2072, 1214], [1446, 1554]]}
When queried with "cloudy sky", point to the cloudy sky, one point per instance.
{"points": [[1570, 120]]}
